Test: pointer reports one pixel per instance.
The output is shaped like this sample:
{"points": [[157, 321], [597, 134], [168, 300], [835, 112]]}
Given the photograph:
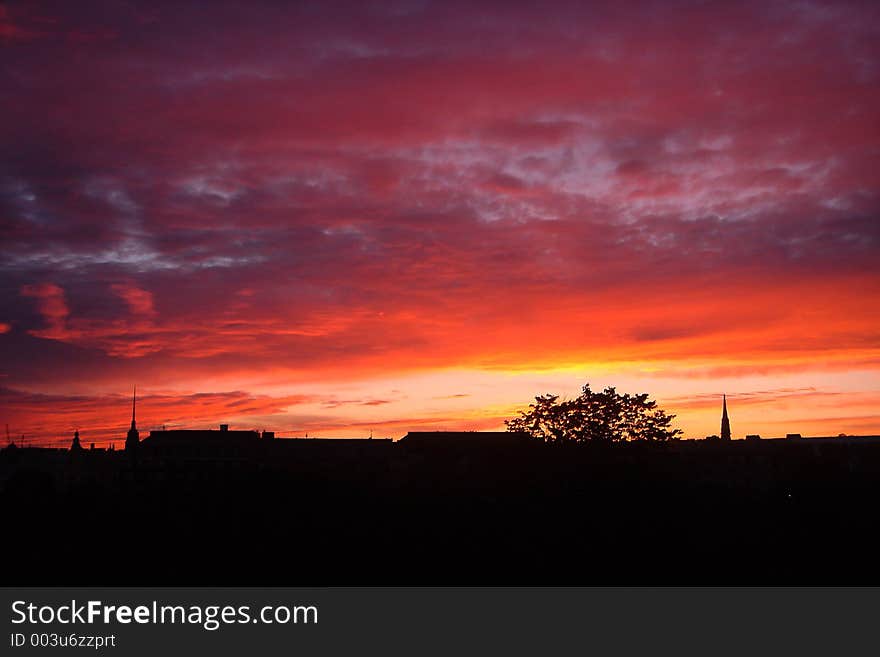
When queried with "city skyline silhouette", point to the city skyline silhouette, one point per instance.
{"points": [[132, 438], [232, 507]]}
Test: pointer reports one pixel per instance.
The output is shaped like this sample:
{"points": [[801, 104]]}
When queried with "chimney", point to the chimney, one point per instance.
{"points": [[224, 427]]}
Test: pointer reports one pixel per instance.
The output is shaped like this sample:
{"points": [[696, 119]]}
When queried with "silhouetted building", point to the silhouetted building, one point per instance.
{"points": [[196, 444], [75, 445], [133, 437], [466, 439], [725, 421]]}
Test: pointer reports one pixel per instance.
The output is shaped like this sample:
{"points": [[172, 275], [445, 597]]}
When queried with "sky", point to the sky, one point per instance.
{"points": [[332, 218]]}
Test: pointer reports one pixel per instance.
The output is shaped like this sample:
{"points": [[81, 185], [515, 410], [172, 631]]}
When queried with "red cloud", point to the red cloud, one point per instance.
{"points": [[139, 301], [287, 195], [53, 308]]}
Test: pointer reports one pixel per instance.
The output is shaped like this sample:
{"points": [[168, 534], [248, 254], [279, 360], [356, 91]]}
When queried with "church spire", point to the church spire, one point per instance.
{"points": [[133, 437], [725, 421], [133, 403]]}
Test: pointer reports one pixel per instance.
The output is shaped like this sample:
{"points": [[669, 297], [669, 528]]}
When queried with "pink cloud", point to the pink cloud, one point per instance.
{"points": [[297, 194]]}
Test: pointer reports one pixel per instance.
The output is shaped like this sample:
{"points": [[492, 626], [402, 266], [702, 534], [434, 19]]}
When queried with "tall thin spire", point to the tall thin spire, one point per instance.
{"points": [[133, 437], [133, 404], [725, 420]]}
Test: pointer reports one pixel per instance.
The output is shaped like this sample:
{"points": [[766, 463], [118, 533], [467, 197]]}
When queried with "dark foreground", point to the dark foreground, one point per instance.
{"points": [[764, 513]]}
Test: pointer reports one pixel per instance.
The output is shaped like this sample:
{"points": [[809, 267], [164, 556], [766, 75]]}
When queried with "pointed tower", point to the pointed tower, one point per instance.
{"points": [[75, 446], [133, 437], [725, 421]]}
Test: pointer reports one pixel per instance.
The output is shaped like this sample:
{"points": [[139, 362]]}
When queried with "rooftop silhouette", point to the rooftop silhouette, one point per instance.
{"points": [[227, 506]]}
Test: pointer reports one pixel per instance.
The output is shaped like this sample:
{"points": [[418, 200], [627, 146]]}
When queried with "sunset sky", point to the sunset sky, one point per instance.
{"points": [[327, 218]]}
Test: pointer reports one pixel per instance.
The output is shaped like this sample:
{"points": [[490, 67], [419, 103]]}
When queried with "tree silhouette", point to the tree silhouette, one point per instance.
{"points": [[595, 417]]}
